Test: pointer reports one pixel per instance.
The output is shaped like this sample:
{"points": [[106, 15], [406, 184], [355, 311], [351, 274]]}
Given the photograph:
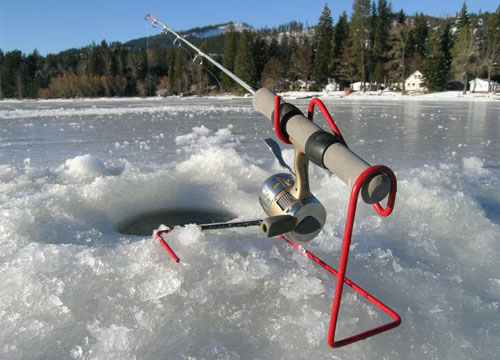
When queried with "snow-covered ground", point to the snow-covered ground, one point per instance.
{"points": [[73, 287], [393, 95]]}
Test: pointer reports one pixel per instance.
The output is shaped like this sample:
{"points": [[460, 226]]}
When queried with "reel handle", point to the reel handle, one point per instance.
{"points": [[322, 148], [278, 225]]}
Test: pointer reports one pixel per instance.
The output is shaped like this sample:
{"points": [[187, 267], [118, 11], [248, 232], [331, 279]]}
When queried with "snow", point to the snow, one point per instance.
{"points": [[222, 29], [73, 287], [87, 167], [391, 95]]}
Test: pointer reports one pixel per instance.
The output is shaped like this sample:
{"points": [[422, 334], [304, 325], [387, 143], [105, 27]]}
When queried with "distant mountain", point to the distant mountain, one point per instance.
{"points": [[214, 30], [158, 41]]}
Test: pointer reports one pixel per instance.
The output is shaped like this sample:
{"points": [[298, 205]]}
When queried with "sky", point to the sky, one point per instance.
{"points": [[51, 26]]}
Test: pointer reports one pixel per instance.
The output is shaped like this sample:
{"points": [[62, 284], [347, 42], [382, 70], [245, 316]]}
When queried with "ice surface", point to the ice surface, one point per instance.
{"points": [[74, 288]]}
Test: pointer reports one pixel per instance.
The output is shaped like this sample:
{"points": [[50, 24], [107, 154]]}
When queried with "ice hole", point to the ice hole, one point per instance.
{"points": [[144, 224]]}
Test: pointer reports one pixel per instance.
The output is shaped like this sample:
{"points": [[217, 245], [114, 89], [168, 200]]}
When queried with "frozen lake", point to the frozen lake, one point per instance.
{"points": [[74, 287]]}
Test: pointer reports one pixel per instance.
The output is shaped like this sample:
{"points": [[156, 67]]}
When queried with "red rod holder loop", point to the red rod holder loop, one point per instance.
{"points": [[310, 115], [326, 114], [392, 194], [277, 116]]}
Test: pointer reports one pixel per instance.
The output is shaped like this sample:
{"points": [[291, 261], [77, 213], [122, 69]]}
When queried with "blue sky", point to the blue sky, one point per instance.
{"points": [[55, 25]]}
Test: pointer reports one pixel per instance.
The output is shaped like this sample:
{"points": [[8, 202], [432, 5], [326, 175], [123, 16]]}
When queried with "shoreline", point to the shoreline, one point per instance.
{"points": [[297, 95]]}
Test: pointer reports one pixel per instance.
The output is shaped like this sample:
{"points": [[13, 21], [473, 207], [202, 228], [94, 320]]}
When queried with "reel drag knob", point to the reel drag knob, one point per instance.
{"points": [[276, 199]]}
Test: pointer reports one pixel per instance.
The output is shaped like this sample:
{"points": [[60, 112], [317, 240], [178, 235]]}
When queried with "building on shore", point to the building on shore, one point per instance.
{"points": [[481, 86], [415, 82]]}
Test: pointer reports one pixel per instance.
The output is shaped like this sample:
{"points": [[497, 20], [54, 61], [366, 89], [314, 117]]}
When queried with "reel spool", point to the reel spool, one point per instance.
{"points": [[280, 195]]}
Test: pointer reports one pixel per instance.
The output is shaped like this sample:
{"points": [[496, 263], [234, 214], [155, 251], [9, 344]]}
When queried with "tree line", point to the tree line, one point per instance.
{"points": [[376, 46]]}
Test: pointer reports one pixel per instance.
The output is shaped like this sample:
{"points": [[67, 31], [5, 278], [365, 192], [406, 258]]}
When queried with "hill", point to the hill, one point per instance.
{"points": [[159, 41]]}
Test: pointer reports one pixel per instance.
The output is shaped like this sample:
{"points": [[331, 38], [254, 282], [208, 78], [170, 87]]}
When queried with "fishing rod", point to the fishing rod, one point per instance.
{"points": [[199, 53], [294, 212], [324, 149]]}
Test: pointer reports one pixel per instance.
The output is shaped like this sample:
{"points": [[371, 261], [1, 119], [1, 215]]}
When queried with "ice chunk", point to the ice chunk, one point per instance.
{"points": [[474, 166], [85, 167]]}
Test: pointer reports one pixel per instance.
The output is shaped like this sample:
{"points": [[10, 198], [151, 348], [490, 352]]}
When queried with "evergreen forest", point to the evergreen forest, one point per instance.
{"points": [[375, 45]]}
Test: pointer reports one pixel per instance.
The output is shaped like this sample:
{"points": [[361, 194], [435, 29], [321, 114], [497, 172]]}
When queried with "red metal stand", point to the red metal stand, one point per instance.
{"points": [[340, 274], [341, 278]]}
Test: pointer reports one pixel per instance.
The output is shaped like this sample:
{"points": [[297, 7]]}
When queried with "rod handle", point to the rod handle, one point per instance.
{"points": [[322, 148]]}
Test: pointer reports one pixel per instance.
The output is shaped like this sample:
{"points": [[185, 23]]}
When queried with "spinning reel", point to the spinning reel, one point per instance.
{"points": [[289, 194]]}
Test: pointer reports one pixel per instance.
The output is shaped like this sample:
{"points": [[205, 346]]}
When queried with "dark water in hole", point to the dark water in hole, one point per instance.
{"points": [[144, 224]]}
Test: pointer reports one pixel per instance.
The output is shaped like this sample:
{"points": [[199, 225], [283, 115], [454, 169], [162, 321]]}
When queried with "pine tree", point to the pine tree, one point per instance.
{"points": [[1, 71], [94, 62], [285, 51], [300, 62], [359, 35], [284, 47], [182, 80], [421, 32], [293, 44], [230, 45], [464, 53], [490, 52], [34, 61], [274, 47], [381, 41], [445, 45], [12, 76], [339, 36], [371, 58], [417, 42], [348, 65], [260, 51], [244, 65], [401, 17], [463, 19], [397, 66], [322, 47], [170, 59], [436, 64]]}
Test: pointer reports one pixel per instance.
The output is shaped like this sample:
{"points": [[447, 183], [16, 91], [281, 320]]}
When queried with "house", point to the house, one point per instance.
{"points": [[298, 85], [415, 82], [481, 86], [332, 86], [357, 86], [301, 85], [396, 86]]}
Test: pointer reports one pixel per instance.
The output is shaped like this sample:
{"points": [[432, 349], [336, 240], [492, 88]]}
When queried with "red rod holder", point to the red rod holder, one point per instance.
{"points": [[351, 214], [340, 274]]}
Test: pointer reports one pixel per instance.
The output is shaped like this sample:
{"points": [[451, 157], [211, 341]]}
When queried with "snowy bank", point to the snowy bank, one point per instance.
{"points": [[391, 95], [367, 95]]}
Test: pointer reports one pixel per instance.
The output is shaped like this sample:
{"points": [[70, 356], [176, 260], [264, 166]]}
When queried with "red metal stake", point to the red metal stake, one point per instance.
{"points": [[165, 245]]}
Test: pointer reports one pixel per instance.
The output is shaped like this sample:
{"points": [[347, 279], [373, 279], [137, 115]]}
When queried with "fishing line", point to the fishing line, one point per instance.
{"points": [[165, 28], [192, 57]]}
